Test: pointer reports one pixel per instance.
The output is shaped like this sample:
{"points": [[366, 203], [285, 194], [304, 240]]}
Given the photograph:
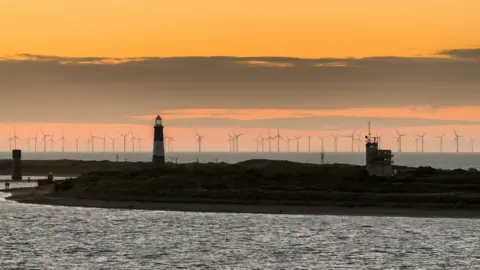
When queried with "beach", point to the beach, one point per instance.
{"points": [[42, 196]]}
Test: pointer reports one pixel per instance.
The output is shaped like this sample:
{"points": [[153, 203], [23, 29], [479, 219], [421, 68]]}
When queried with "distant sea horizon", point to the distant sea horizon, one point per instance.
{"points": [[445, 160]]}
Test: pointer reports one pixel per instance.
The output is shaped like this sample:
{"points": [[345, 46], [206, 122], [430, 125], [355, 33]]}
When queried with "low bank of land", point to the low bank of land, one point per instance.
{"points": [[264, 186]]}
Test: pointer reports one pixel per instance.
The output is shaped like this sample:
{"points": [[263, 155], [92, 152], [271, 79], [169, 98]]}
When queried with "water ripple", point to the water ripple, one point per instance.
{"points": [[47, 237]]}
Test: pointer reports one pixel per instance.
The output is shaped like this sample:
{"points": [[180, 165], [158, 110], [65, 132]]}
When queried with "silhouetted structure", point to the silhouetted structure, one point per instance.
{"points": [[17, 164], [378, 161], [158, 144]]}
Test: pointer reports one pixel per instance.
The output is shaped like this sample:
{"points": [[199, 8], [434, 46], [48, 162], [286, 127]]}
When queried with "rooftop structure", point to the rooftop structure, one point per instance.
{"points": [[378, 161]]}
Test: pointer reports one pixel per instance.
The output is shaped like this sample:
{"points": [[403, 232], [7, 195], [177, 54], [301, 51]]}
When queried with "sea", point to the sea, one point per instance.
{"points": [[57, 237], [435, 160]]}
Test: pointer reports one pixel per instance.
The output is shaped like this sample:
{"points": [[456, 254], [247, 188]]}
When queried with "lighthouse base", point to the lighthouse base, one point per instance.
{"points": [[158, 159]]}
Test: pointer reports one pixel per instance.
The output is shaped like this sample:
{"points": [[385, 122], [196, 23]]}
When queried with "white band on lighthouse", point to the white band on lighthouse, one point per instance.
{"points": [[158, 149]]}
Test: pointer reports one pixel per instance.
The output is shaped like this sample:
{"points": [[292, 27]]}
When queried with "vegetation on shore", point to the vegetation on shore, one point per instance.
{"points": [[276, 182]]}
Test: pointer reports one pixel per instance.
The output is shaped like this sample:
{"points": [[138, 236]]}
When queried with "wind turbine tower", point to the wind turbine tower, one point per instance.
{"points": [[270, 138], [133, 139], [139, 139], [124, 141], [36, 141], [52, 143], [399, 140], [335, 142], [76, 143], [322, 139], [63, 142], [472, 144], [441, 141], [298, 142], [422, 138], [237, 136], [288, 143], [104, 140], [231, 142], [44, 140], [352, 137], [262, 141], [112, 139], [278, 137], [309, 143], [200, 141], [457, 139], [15, 138]]}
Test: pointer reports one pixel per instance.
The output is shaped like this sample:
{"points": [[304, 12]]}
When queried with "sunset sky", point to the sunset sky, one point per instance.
{"points": [[309, 67]]}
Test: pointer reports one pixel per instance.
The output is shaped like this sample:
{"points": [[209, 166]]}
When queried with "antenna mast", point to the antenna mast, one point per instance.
{"points": [[369, 128]]}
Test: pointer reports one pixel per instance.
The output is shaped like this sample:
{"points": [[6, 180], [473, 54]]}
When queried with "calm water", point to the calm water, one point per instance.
{"points": [[51, 237], [436, 160]]}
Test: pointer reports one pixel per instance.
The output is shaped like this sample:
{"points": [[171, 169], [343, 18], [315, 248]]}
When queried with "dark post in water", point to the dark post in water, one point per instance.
{"points": [[158, 145], [17, 165]]}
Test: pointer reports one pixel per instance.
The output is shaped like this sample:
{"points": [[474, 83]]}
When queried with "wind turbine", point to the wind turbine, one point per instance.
{"points": [[88, 142], [262, 141], [270, 138], [170, 141], [133, 139], [457, 139], [92, 141], [124, 141], [352, 136], [441, 141], [335, 142], [104, 139], [52, 143], [472, 144], [76, 142], [28, 142], [359, 142], [257, 144], [237, 136], [44, 140], [200, 141], [36, 141], [417, 139], [322, 139], [113, 143], [139, 143], [231, 142], [63, 142], [9, 140], [15, 138], [421, 137], [298, 142], [309, 143], [288, 143], [278, 137], [399, 140]]}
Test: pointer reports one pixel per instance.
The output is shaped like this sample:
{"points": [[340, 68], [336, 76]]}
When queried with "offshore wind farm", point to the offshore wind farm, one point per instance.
{"points": [[447, 150]]}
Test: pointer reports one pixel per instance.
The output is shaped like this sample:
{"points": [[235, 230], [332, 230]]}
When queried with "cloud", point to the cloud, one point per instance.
{"points": [[84, 89], [309, 123], [471, 54]]}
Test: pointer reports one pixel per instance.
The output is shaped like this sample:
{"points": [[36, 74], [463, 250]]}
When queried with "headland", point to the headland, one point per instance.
{"points": [[257, 186]]}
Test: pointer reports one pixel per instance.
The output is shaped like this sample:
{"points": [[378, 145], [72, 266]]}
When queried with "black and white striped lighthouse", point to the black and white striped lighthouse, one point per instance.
{"points": [[158, 145]]}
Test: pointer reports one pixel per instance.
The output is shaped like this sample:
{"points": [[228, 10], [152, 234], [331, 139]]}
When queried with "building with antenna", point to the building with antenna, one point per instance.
{"points": [[378, 161]]}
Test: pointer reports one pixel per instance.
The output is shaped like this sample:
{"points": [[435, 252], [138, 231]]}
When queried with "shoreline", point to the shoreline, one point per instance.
{"points": [[41, 197]]}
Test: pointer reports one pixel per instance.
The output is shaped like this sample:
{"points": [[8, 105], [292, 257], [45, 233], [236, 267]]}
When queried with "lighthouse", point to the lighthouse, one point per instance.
{"points": [[158, 146]]}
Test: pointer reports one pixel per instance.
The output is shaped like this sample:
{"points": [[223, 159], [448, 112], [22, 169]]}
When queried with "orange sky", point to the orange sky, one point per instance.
{"points": [[309, 28], [216, 138]]}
